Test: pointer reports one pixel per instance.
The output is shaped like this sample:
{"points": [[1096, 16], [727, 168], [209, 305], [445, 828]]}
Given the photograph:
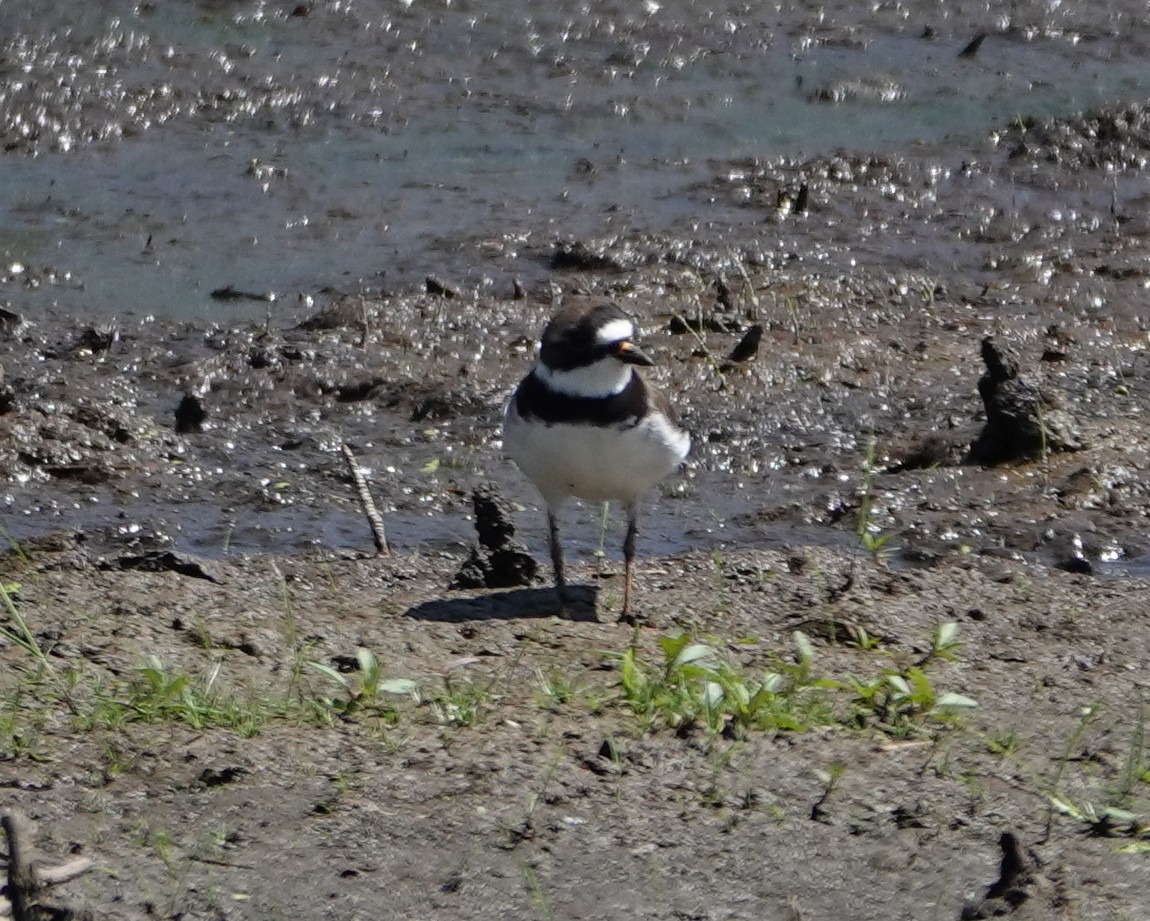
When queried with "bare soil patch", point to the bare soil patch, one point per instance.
{"points": [[520, 784]]}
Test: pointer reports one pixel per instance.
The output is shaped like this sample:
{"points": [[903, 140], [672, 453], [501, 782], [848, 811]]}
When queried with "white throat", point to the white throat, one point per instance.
{"points": [[604, 378]]}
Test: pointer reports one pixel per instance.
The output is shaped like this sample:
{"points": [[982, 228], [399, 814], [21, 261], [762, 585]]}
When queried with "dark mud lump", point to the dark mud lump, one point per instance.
{"points": [[1021, 421], [498, 560]]}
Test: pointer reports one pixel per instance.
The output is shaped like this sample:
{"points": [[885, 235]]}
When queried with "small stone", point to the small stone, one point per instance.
{"points": [[441, 288]]}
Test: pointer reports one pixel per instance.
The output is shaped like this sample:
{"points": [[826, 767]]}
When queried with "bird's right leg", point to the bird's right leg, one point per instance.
{"points": [[556, 556]]}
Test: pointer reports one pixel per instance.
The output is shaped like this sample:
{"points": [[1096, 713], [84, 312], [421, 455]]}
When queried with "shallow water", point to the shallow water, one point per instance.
{"points": [[158, 153]]}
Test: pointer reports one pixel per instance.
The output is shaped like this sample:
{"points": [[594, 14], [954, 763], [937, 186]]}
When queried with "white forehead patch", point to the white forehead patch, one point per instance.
{"points": [[615, 331]]}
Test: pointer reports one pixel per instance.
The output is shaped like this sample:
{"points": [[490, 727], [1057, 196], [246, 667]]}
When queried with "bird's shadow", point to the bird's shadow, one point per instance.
{"points": [[581, 603]]}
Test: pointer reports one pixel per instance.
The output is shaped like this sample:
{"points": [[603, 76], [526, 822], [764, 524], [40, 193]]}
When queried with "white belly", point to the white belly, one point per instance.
{"points": [[594, 463]]}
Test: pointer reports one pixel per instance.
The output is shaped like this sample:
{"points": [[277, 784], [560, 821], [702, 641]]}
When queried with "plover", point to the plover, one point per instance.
{"points": [[584, 423]]}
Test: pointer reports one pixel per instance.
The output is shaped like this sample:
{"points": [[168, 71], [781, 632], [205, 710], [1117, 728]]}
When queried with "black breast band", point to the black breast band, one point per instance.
{"points": [[535, 400]]}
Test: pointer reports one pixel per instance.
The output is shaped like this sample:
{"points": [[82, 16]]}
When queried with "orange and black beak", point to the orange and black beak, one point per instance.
{"points": [[628, 353]]}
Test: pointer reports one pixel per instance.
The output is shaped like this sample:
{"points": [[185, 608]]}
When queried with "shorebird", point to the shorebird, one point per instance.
{"points": [[585, 423]]}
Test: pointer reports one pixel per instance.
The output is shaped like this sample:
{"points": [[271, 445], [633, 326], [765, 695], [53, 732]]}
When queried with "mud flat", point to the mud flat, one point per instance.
{"points": [[214, 688]]}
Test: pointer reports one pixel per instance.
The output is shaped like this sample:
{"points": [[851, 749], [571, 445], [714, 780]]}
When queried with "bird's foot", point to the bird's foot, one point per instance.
{"points": [[631, 619]]}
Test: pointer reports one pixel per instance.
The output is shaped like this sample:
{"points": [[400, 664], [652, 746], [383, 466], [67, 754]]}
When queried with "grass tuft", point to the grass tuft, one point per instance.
{"points": [[695, 687], [156, 694]]}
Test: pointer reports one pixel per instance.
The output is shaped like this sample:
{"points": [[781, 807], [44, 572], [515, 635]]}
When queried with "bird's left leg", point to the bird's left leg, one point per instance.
{"points": [[556, 556]]}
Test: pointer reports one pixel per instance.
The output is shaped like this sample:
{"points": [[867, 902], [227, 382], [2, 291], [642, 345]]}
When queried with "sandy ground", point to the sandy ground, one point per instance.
{"points": [[520, 785]]}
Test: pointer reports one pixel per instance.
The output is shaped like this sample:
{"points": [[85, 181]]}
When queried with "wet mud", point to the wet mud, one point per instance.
{"points": [[865, 379]]}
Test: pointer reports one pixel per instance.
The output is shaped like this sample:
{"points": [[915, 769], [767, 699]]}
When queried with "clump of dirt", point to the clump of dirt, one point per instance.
{"points": [[1021, 422], [1115, 137], [498, 560]]}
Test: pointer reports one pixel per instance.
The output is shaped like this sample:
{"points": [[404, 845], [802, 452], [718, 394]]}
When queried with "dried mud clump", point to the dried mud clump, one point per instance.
{"points": [[872, 88], [636, 250], [1021, 421], [89, 438], [1111, 137], [498, 560]]}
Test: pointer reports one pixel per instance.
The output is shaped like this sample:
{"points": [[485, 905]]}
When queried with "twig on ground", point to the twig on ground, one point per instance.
{"points": [[374, 518], [27, 879]]}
